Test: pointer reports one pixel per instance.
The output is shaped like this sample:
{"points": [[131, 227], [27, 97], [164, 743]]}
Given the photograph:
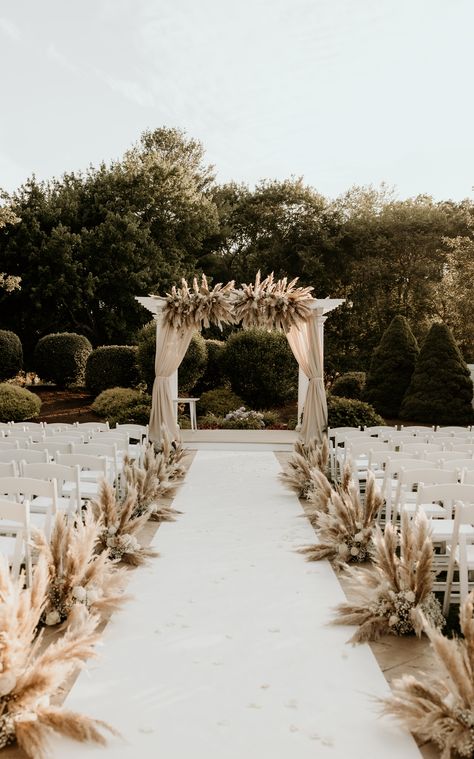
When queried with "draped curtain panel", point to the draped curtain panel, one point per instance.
{"points": [[171, 346], [305, 343]]}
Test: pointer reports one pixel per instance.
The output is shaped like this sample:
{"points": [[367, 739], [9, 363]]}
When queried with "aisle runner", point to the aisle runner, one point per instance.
{"points": [[225, 652]]}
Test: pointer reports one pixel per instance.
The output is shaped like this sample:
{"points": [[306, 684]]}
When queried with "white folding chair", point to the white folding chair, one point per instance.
{"points": [[65, 436], [453, 430], [467, 476], [407, 499], [41, 495], [24, 454], [95, 449], [463, 448], [134, 431], [93, 426], [461, 554], [15, 537], [420, 447], [8, 469], [23, 437], [443, 456], [51, 446], [67, 483], [93, 469], [6, 444], [58, 427], [394, 463], [121, 440]]}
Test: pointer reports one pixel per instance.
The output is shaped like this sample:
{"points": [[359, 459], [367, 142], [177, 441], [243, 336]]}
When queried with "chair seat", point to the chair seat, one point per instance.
{"points": [[88, 487], [42, 503], [442, 529], [430, 509]]}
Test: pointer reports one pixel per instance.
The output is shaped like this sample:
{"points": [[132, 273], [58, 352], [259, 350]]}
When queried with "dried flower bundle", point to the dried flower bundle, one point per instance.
{"points": [[346, 528], [440, 707], [393, 590], [120, 526], [78, 575], [272, 304], [173, 454], [28, 679], [200, 305], [298, 474], [151, 485]]}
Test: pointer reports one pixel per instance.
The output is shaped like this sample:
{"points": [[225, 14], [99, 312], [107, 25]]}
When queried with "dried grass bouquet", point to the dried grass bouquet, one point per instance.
{"points": [[151, 484], [347, 525], [397, 586], [78, 575], [440, 706], [199, 305], [29, 678], [272, 304], [120, 526], [307, 459]]}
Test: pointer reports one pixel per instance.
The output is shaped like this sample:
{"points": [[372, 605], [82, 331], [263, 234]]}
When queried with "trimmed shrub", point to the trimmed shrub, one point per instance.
{"points": [[191, 369], [61, 358], [111, 366], [120, 405], [11, 354], [441, 388], [350, 385], [218, 402], [391, 368], [347, 412], [17, 404], [261, 368], [213, 376]]}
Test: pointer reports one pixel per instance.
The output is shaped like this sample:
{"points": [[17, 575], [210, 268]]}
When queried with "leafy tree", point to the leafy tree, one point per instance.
{"points": [[391, 368], [441, 388]]}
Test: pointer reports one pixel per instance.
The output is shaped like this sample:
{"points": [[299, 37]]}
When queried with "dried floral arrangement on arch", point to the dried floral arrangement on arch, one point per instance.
{"points": [[30, 678], [440, 707], [396, 587], [78, 575], [266, 304], [345, 528]]}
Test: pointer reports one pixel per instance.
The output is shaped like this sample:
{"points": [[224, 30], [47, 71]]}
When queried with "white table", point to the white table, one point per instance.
{"points": [[192, 409]]}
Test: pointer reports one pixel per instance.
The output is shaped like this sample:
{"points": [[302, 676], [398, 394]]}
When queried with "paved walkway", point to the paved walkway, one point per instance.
{"points": [[225, 652]]}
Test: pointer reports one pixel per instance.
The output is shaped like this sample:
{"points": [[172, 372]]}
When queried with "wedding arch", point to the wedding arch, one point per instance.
{"points": [[266, 304]]}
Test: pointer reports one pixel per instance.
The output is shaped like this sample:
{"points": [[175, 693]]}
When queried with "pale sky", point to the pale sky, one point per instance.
{"points": [[341, 92]]}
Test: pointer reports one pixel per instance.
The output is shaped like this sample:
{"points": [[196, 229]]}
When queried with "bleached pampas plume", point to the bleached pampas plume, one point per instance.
{"points": [[395, 588], [272, 304], [151, 484], [78, 575], [308, 458], [199, 305], [345, 528], [120, 526], [174, 455], [439, 706], [29, 679]]}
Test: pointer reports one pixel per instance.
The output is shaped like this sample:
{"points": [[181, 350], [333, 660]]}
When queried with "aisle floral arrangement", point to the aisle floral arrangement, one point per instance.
{"points": [[30, 678], [78, 575], [174, 455], [397, 585], [120, 527], [345, 528], [150, 482], [307, 460], [440, 707]]}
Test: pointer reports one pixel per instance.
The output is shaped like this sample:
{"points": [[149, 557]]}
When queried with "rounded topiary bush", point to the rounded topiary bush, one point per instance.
{"points": [[191, 369], [441, 388], [11, 354], [347, 412], [261, 368], [391, 368], [121, 405], [17, 404], [111, 366], [213, 376], [61, 358], [350, 385], [218, 402]]}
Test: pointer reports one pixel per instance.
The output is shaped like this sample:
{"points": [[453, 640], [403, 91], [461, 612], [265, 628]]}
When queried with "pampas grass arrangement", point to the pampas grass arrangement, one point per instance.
{"points": [[272, 304], [120, 526], [78, 575], [199, 305], [174, 455], [392, 591], [29, 679], [346, 526], [440, 707], [151, 484], [307, 458]]}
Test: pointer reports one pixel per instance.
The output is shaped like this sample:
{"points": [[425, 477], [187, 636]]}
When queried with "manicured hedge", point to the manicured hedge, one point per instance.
{"points": [[350, 385], [61, 358], [112, 366], [261, 368], [11, 354], [218, 402], [346, 412], [121, 405], [17, 404], [213, 376]]}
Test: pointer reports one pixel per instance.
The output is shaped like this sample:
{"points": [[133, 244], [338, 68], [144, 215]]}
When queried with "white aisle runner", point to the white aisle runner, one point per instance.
{"points": [[225, 651]]}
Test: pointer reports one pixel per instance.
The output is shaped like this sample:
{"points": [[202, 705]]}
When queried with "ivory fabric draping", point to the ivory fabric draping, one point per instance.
{"points": [[305, 343], [171, 345]]}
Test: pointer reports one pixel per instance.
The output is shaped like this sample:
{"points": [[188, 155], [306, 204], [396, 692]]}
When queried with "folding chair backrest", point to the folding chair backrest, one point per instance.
{"points": [[445, 493], [444, 456], [467, 476], [65, 436], [84, 461], [393, 465], [463, 447], [410, 477], [453, 430], [8, 469], [52, 471], [51, 446], [457, 463], [95, 449], [445, 440], [60, 427], [421, 447], [134, 431], [94, 426], [24, 454], [357, 448], [20, 435], [17, 517], [7, 443], [27, 486]]}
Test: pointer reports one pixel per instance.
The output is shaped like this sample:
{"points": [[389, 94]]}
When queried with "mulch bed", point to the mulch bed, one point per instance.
{"points": [[64, 405]]}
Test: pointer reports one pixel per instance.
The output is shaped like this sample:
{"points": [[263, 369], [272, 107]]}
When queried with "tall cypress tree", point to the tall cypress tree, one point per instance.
{"points": [[391, 368], [441, 388]]}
